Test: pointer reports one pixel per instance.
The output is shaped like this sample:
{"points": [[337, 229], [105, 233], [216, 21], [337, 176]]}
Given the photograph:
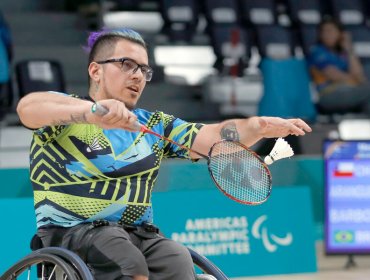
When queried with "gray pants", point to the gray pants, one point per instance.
{"points": [[113, 253], [346, 98]]}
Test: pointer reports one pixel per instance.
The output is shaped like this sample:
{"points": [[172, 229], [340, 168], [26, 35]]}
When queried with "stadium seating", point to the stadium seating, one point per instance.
{"points": [[349, 12], [274, 41], [39, 75], [258, 12], [230, 42], [361, 45], [232, 47], [307, 12], [221, 12], [180, 19], [307, 35], [305, 17]]}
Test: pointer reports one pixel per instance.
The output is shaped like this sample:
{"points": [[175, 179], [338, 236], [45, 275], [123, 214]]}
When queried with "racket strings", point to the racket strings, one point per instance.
{"points": [[239, 173]]}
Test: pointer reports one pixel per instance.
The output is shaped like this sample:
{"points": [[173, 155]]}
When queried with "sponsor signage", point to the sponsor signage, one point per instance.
{"points": [[276, 237], [19, 225]]}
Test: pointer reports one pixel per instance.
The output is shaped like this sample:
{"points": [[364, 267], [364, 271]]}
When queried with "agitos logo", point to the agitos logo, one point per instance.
{"points": [[270, 241]]}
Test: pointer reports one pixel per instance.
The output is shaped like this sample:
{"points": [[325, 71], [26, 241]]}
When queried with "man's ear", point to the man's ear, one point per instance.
{"points": [[94, 71]]}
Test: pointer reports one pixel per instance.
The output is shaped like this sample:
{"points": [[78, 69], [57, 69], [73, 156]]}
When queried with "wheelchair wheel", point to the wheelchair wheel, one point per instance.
{"points": [[72, 258], [41, 266], [207, 267]]}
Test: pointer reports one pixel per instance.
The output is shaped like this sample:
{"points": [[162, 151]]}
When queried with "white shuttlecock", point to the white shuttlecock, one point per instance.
{"points": [[280, 150]]}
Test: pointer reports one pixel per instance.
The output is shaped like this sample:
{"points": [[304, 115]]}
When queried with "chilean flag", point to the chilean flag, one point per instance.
{"points": [[344, 169]]}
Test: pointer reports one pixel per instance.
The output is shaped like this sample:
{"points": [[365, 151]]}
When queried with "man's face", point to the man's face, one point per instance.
{"points": [[118, 83]]}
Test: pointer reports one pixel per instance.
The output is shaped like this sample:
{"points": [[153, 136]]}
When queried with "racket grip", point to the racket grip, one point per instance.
{"points": [[101, 111], [139, 127]]}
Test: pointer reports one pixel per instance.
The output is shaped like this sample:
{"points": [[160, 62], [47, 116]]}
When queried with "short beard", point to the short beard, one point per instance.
{"points": [[130, 107], [110, 96]]}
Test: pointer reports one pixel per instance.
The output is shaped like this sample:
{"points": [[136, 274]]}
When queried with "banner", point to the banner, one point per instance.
{"points": [[18, 227], [276, 237]]}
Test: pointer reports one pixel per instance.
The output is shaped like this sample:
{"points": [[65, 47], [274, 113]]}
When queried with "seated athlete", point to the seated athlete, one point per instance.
{"points": [[93, 175]]}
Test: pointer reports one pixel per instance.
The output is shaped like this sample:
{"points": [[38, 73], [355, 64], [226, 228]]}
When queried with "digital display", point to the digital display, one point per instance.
{"points": [[347, 197]]}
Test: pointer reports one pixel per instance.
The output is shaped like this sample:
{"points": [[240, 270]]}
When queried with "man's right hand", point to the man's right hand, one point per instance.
{"points": [[117, 116]]}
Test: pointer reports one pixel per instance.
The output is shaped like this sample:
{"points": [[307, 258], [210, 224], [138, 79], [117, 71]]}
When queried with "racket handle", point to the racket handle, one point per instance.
{"points": [[101, 111], [139, 127]]}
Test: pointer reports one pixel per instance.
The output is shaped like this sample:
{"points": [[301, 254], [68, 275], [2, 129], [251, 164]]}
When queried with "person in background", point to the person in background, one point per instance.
{"points": [[337, 72], [93, 175]]}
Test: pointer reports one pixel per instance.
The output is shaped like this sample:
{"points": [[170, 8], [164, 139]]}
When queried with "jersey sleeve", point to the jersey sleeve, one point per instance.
{"points": [[49, 133], [181, 132]]}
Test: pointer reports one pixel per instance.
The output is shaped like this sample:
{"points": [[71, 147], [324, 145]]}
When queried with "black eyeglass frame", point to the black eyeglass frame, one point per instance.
{"points": [[145, 69]]}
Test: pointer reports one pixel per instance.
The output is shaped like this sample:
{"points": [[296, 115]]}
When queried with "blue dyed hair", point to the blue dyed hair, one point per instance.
{"points": [[108, 38]]}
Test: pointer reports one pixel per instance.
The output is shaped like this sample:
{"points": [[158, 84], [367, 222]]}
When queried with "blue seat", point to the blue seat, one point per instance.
{"points": [[274, 41], [230, 42], [6, 93], [232, 47], [5, 96], [4, 63], [221, 12], [126, 5], [349, 12], [286, 90], [258, 12], [308, 12], [361, 45], [180, 19], [39, 75], [306, 16], [308, 37], [5, 37]]}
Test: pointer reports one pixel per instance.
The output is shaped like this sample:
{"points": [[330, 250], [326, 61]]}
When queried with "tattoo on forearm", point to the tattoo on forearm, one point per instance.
{"points": [[77, 118], [229, 132]]}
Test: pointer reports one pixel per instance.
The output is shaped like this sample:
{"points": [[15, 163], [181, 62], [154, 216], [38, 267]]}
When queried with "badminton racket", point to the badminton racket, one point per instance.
{"points": [[238, 172]]}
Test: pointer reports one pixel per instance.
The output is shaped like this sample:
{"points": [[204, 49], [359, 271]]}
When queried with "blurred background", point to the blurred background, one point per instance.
{"points": [[212, 60]]}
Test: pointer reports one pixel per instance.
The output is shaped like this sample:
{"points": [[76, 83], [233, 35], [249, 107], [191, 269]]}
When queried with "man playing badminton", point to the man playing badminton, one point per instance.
{"points": [[93, 174]]}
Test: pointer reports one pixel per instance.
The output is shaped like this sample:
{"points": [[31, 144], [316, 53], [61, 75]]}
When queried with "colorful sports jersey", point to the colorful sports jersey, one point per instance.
{"points": [[321, 57], [81, 172]]}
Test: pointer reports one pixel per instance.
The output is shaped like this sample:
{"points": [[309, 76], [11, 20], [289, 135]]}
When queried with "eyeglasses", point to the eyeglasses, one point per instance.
{"points": [[130, 65]]}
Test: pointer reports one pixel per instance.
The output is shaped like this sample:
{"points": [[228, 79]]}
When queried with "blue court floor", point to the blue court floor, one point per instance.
{"points": [[329, 268]]}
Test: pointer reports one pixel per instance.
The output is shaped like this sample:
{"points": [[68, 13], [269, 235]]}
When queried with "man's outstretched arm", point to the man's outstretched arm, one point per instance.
{"points": [[41, 109], [247, 131]]}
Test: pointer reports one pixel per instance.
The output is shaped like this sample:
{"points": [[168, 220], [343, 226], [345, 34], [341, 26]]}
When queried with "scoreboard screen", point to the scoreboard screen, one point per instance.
{"points": [[347, 196]]}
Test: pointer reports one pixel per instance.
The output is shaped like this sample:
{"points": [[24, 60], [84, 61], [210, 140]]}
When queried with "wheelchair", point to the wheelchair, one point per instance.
{"points": [[56, 263]]}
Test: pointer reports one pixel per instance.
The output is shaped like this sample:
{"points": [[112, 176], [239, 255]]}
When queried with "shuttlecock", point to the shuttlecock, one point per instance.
{"points": [[280, 150]]}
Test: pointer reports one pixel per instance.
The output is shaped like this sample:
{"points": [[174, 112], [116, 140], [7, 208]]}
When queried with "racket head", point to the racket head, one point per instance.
{"points": [[239, 172]]}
